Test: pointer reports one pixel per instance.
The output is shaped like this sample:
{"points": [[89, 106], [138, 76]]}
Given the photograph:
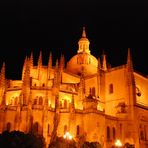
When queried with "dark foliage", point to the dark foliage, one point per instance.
{"points": [[62, 143], [91, 145], [17, 139]]}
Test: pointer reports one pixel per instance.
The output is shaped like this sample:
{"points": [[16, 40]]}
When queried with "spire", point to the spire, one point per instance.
{"points": [[40, 59], [31, 60], [129, 60], [62, 62], [57, 65], [50, 61], [99, 64], [84, 33], [104, 65], [2, 78], [24, 67]]}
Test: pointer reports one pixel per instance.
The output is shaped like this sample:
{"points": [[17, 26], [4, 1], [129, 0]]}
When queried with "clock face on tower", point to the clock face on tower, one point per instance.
{"points": [[138, 91]]}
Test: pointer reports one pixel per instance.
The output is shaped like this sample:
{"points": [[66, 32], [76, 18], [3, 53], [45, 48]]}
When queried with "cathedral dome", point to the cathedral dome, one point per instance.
{"points": [[83, 61]]}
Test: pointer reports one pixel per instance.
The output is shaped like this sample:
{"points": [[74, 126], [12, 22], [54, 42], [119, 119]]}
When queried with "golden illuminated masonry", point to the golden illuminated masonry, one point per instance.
{"points": [[85, 97]]}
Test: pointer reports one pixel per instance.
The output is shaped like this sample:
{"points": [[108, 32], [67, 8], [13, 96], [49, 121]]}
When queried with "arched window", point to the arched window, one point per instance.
{"points": [[65, 103], [65, 129], [35, 84], [8, 126], [108, 133], [48, 129], [35, 101], [93, 91], [15, 100], [78, 130], [40, 100], [111, 88], [114, 133], [145, 131], [35, 128], [60, 104], [43, 84], [141, 135]]}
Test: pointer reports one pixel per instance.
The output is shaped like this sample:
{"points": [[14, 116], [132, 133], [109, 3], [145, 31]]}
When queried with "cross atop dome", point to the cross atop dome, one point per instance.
{"points": [[84, 33]]}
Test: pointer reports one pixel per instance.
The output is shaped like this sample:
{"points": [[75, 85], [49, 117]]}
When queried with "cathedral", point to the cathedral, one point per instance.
{"points": [[85, 97]]}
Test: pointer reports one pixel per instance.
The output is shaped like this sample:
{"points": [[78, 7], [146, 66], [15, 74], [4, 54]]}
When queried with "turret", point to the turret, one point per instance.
{"points": [[129, 61], [2, 84], [50, 61], [62, 63], [40, 60], [24, 66], [131, 83], [104, 63], [26, 82], [2, 80], [55, 83], [99, 64], [39, 64], [31, 60]]}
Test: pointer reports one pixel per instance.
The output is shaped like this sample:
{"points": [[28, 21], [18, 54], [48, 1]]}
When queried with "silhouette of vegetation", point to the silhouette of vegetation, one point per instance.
{"points": [[17, 139], [62, 143]]}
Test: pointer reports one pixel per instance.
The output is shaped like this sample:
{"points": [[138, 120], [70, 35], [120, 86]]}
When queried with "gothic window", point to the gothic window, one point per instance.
{"points": [[78, 130], [35, 101], [93, 91], [8, 126], [15, 100], [145, 132], [114, 133], [141, 135], [111, 88], [48, 129], [60, 104], [120, 129], [108, 133], [65, 129], [65, 103], [36, 128], [40, 100]]}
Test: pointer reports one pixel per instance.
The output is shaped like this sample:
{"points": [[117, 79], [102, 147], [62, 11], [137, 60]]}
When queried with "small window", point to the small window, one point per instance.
{"points": [[141, 135], [65, 129], [65, 103], [48, 129], [36, 128], [114, 133], [8, 126], [35, 84], [43, 84], [93, 91], [111, 88], [40, 100], [35, 101], [108, 133], [78, 130]]}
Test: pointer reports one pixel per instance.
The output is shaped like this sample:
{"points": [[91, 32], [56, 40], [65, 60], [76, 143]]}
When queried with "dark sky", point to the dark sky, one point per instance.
{"points": [[35, 25]]}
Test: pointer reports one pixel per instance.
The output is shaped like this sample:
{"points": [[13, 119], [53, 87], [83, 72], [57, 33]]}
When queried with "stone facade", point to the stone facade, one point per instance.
{"points": [[92, 101]]}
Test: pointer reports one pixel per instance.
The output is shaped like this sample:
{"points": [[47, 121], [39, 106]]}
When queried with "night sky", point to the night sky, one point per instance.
{"points": [[112, 26]]}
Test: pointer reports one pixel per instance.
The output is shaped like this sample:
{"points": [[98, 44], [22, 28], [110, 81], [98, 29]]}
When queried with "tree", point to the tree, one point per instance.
{"points": [[17, 139]]}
